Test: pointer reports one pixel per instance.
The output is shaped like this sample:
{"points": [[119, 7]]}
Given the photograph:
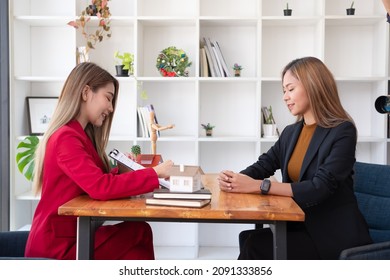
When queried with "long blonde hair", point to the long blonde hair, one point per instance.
{"points": [[68, 108], [321, 89]]}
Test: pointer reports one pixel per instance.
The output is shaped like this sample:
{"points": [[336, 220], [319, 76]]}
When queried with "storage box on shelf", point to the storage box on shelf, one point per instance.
{"points": [[252, 33]]}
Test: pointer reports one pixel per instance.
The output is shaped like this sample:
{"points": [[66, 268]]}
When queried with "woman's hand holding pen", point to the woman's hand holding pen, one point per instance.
{"points": [[230, 181]]}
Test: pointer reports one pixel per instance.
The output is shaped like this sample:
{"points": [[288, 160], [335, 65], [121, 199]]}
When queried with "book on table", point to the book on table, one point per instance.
{"points": [[166, 193], [197, 203]]}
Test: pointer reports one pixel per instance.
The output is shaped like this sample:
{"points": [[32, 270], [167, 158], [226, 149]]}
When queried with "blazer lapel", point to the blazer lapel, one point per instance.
{"points": [[290, 149], [318, 137]]}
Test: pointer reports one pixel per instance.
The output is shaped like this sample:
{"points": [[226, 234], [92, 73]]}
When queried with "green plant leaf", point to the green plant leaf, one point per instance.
{"points": [[26, 155]]}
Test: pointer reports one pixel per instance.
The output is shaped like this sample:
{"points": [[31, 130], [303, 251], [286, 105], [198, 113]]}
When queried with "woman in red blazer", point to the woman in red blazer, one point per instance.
{"points": [[71, 160], [316, 157]]}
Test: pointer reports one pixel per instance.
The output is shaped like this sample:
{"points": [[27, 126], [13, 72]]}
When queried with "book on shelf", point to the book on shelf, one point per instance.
{"points": [[197, 203], [267, 115], [204, 67], [217, 62], [141, 124], [209, 62], [166, 193], [144, 120], [217, 59], [211, 58], [126, 161], [221, 59]]}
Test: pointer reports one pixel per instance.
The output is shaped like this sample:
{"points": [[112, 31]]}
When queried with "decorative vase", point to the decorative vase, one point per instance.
{"points": [[82, 54], [287, 12], [350, 11]]}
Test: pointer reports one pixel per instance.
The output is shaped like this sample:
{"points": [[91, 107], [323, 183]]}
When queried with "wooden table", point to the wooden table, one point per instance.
{"points": [[224, 208]]}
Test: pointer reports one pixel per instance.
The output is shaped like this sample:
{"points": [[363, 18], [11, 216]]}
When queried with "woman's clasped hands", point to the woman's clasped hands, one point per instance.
{"points": [[230, 181]]}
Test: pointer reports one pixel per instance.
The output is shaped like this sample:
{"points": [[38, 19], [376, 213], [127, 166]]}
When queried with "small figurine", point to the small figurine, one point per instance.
{"points": [[154, 128]]}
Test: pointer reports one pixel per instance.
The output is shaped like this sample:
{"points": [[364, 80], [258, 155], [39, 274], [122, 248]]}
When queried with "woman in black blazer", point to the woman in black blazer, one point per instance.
{"points": [[316, 156]]}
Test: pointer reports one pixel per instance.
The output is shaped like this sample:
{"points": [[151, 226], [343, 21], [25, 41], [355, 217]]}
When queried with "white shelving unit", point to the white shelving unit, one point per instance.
{"points": [[252, 33]]}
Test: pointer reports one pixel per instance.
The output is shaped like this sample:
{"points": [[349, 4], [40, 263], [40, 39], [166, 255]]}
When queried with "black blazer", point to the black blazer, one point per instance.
{"points": [[325, 187]]}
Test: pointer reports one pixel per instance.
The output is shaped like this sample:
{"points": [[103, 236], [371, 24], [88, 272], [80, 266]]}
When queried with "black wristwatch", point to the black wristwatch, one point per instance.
{"points": [[265, 186]]}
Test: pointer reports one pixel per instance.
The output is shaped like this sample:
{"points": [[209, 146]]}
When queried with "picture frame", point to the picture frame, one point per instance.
{"points": [[40, 110]]}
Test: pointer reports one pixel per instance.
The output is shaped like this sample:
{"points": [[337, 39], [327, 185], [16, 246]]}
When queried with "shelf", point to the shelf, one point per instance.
{"points": [[166, 21], [40, 79], [225, 21], [228, 139], [223, 80], [289, 21], [48, 21], [353, 20], [169, 139], [27, 196]]}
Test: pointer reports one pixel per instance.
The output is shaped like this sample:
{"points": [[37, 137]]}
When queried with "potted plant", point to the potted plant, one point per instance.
{"points": [[26, 155], [124, 64], [208, 128], [100, 9], [135, 151], [351, 9], [287, 11], [269, 126], [237, 70]]}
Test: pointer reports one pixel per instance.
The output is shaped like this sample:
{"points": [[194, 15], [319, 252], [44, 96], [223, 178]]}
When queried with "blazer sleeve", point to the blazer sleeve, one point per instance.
{"points": [[330, 169], [267, 163], [83, 169]]}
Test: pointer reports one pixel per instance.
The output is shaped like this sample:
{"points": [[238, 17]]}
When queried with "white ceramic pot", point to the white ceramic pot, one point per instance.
{"points": [[269, 130]]}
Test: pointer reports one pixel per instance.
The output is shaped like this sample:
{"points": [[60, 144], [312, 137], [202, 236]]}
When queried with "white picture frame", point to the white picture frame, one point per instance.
{"points": [[40, 111]]}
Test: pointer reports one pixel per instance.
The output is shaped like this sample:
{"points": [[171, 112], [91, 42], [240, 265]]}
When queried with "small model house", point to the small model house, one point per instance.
{"points": [[185, 178]]}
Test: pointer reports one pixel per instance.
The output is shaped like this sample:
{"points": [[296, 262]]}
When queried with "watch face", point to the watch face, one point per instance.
{"points": [[265, 186]]}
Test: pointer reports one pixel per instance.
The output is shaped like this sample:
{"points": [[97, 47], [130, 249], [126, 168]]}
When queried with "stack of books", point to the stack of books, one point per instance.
{"points": [[144, 121], [212, 61], [166, 197]]}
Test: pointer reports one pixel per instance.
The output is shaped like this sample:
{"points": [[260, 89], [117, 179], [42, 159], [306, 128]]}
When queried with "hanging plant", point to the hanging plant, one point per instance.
{"points": [[26, 155], [173, 62], [100, 9]]}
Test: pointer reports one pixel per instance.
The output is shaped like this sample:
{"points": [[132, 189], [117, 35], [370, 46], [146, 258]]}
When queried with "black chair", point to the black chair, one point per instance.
{"points": [[372, 189], [13, 244]]}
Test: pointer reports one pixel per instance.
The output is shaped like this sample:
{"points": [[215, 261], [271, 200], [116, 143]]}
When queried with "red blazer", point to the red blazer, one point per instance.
{"points": [[71, 168]]}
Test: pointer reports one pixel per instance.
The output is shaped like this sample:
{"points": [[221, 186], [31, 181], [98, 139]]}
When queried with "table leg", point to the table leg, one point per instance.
{"points": [[279, 230], [85, 239]]}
